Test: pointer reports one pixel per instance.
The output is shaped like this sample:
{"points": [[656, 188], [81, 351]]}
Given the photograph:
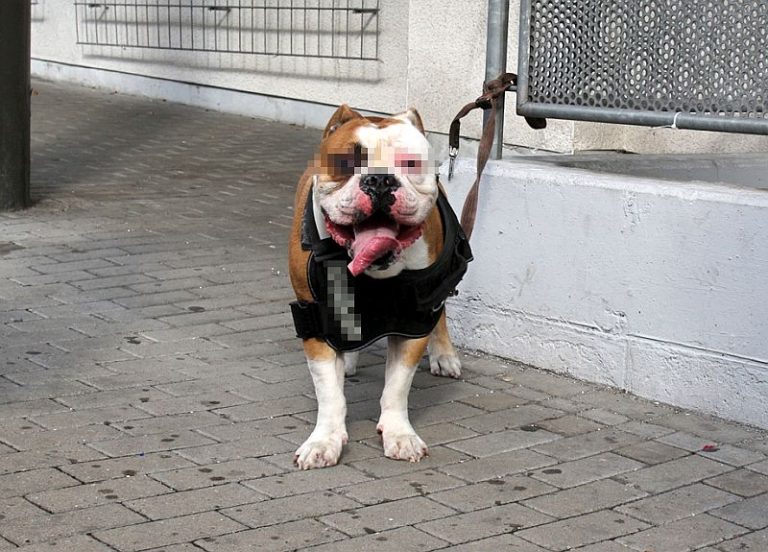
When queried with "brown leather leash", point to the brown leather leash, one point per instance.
{"points": [[492, 91]]}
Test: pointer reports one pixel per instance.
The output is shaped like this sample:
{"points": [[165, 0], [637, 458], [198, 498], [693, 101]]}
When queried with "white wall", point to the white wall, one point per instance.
{"points": [[432, 56], [650, 286]]}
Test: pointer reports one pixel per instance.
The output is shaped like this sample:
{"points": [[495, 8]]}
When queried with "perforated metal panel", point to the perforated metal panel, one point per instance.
{"points": [[699, 64]]}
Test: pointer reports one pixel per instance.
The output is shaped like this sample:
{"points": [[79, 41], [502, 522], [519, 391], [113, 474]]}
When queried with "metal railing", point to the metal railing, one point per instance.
{"points": [[696, 64], [339, 29]]}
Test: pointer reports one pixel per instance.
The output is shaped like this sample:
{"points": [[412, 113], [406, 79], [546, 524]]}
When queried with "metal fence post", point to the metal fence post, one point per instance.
{"points": [[15, 22], [496, 62]]}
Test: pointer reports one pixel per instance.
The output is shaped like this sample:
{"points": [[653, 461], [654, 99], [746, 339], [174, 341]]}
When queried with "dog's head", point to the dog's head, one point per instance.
{"points": [[376, 185]]}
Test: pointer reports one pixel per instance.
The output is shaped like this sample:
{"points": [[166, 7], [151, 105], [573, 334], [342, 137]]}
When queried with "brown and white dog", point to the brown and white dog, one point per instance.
{"points": [[358, 154]]}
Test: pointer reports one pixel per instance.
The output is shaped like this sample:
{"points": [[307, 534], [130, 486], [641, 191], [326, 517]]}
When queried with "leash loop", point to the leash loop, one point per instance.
{"points": [[492, 90]]}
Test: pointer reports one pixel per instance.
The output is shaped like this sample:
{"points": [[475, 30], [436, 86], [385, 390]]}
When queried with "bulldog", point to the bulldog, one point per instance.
{"points": [[375, 249]]}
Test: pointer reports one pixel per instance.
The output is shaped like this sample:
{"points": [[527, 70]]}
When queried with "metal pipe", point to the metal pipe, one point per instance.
{"points": [[496, 62], [15, 23]]}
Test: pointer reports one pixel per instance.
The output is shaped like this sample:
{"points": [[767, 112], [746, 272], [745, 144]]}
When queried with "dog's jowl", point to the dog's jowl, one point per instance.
{"points": [[375, 251]]}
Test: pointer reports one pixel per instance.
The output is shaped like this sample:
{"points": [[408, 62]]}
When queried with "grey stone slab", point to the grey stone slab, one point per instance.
{"points": [[213, 400], [751, 512], [35, 459], [708, 427], [80, 543], [498, 465], [381, 466], [216, 474], [727, 454], [584, 499], [195, 501], [675, 473], [508, 543], [386, 516], [267, 409], [512, 418], [127, 466], [254, 429], [604, 417], [494, 400], [290, 508], [168, 424], [127, 446], [569, 425], [277, 538], [741, 482], [34, 439], [652, 452], [483, 523], [608, 546], [683, 535], [677, 504], [96, 494], [503, 441], [253, 447], [645, 429], [624, 404], [44, 528], [112, 398], [451, 391], [582, 530], [586, 470], [78, 418], [580, 446], [26, 482], [404, 538], [418, 483], [168, 531], [754, 542], [760, 467], [494, 492], [307, 481]]}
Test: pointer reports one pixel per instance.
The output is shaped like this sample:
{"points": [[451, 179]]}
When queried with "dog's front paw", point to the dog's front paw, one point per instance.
{"points": [[320, 452], [447, 365], [404, 446]]}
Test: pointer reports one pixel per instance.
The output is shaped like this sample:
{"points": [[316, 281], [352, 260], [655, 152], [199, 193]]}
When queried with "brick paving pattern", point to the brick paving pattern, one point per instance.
{"points": [[152, 392]]}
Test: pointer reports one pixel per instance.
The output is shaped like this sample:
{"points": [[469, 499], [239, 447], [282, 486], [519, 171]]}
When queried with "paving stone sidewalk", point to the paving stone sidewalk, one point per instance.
{"points": [[152, 392]]}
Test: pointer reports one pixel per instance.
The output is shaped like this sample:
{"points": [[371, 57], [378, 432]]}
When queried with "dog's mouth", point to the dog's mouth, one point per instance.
{"points": [[376, 241]]}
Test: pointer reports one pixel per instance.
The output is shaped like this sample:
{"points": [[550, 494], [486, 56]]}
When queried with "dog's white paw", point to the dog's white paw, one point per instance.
{"points": [[404, 446], [320, 452], [447, 365]]}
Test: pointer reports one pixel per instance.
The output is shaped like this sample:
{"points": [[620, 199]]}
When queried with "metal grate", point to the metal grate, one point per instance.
{"points": [[341, 29], [697, 64]]}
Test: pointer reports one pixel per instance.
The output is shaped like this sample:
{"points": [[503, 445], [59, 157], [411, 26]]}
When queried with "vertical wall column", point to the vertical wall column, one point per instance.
{"points": [[15, 19]]}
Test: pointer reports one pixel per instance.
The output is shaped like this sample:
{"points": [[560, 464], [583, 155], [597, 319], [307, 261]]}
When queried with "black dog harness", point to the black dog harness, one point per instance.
{"points": [[350, 312]]}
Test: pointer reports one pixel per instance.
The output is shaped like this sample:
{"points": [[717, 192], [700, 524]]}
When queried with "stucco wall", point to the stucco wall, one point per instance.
{"points": [[432, 56], [651, 286]]}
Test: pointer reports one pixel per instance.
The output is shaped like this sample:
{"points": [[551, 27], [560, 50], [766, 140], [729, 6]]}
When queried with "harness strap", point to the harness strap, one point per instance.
{"points": [[308, 319], [492, 90]]}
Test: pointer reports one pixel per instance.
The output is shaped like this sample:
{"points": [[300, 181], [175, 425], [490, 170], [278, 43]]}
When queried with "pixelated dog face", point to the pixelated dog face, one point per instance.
{"points": [[376, 186]]}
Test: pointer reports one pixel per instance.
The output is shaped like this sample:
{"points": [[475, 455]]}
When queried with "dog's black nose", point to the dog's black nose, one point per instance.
{"points": [[376, 185]]}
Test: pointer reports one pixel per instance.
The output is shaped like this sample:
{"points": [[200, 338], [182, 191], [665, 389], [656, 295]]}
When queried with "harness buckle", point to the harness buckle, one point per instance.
{"points": [[453, 152]]}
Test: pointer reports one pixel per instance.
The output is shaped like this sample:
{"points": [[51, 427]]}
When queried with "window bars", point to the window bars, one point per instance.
{"points": [[339, 29], [697, 64]]}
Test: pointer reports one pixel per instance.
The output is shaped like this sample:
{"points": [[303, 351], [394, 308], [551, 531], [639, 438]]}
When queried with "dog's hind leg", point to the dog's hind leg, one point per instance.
{"points": [[443, 359], [397, 433], [323, 447], [350, 363]]}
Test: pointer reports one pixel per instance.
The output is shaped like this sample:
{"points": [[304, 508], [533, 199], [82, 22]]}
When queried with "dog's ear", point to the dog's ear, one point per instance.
{"points": [[343, 114], [411, 116]]}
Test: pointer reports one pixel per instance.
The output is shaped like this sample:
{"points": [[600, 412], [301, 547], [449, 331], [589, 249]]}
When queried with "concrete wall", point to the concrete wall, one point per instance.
{"points": [[432, 56], [650, 286]]}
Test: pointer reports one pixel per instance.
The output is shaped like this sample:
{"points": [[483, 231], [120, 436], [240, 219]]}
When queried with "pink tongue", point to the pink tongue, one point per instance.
{"points": [[370, 244]]}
